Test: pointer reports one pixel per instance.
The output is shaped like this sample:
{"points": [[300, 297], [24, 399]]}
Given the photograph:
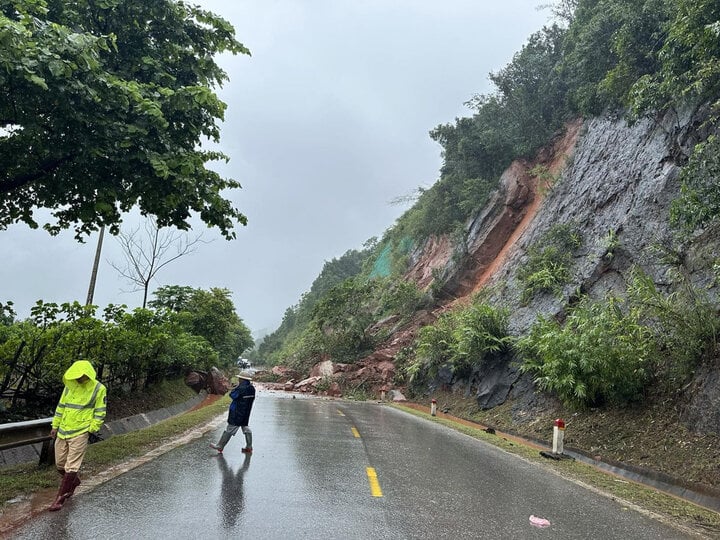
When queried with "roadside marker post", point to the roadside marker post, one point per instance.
{"points": [[558, 436], [433, 407]]}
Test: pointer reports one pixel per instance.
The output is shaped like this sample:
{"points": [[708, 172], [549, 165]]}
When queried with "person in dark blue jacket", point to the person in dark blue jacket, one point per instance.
{"points": [[243, 396]]}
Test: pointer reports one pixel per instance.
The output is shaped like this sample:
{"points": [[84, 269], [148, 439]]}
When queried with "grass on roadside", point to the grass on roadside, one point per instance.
{"points": [[163, 394], [25, 479], [691, 515]]}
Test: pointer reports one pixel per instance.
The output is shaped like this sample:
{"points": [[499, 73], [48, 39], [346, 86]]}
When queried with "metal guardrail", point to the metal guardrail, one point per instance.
{"points": [[16, 434], [32, 432]]}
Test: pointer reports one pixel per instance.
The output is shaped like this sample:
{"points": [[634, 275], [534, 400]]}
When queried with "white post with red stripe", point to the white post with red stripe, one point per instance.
{"points": [[433, 407], [558, 436]]}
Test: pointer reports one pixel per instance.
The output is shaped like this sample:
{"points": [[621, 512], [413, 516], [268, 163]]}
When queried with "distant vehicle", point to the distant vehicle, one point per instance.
{"points": [[243, 363]]}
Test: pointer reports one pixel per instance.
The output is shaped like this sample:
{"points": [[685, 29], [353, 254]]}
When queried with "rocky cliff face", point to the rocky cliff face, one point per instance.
{"points": [[616, 181]]}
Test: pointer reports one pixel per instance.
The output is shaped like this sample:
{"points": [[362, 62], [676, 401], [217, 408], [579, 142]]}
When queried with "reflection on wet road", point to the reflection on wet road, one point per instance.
{"points": [[340, 470]]}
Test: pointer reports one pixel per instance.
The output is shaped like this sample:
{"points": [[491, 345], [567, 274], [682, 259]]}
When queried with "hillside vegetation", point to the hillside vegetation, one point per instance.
{"points": [[628, 66]]}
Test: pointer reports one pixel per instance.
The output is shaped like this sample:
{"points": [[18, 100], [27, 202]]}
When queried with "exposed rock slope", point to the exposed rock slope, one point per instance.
{"points": [[618, 183], [614, 182]]}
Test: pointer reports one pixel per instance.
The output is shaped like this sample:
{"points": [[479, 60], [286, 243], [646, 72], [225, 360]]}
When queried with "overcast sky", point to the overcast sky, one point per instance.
{"points": [[327, 123]]}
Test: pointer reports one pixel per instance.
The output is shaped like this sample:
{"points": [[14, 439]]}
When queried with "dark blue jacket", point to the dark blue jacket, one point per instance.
{"points": [[242, 396]]}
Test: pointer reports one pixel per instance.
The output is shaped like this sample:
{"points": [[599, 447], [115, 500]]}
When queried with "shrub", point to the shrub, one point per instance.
{"points": [[461, 340], [685, 324], [549, 262], [699, 201], [399, 297], [546, 180], [601, 354]]}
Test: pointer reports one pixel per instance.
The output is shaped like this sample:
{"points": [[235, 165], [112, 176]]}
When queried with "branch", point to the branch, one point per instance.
{"points": [[143, 262], [14, 182]]}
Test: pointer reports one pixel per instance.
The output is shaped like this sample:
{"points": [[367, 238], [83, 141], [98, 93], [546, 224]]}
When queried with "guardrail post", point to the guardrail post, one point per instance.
{"points": [[47, 453]]}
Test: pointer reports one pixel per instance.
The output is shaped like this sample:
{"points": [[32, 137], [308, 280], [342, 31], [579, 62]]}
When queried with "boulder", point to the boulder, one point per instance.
{"points": [[397, 395], [217, 383], [285, 373], [322, 369], [308, 385], [196, 380], [334, 390]]}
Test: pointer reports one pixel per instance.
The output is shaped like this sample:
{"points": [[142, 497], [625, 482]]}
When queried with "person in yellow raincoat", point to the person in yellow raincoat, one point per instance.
{"points": [[79, 413]]}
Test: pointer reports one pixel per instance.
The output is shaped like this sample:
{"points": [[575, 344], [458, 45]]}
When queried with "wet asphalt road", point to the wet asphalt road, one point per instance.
{"points": [[311, 477]]}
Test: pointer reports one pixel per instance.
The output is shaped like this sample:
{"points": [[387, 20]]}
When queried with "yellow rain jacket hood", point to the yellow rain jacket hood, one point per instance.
{"points": [[77, 370], [82, 406]]}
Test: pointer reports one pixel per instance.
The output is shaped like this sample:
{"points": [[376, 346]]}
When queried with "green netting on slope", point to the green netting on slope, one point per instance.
{"points": [[383, 264], [381, 268]]}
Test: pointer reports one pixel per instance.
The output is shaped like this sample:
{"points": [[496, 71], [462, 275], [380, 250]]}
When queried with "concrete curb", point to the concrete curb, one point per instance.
{"points": [[31, 453]]}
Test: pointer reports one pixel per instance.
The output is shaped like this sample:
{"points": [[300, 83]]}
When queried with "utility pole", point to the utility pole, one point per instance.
{"points": [[93, 277]]}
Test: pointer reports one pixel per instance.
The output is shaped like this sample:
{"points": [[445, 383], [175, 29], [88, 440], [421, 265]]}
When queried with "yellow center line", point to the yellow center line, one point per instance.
{"points": [[340, 412], [355, 432], [375, 490]]}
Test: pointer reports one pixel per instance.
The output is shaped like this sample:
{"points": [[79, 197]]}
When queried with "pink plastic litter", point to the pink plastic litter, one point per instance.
{"points": [[539, 522]]}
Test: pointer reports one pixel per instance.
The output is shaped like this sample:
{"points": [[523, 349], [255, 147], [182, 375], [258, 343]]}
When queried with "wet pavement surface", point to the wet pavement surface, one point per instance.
{"points": [[311, 476]]}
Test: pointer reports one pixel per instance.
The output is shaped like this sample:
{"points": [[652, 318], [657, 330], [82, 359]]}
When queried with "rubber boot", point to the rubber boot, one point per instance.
{"points": [[222, 442], [74, 483], [248, 444], [62, 494]]}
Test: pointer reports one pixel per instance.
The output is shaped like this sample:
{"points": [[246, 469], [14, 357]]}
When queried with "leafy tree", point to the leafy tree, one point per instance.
{"points": [[588, 53], [138, 343], [637, 44], [649, 55], [532, 93], [609, 44], [184, 349], [303, 349], [34, 353], [7, 314], [143, 347], [689, 60], [343, 316], [443, 208], [562, 10], [476, 147], [128, 349], [211, 315], [104, 105], [399, 297], [171, 297]]}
